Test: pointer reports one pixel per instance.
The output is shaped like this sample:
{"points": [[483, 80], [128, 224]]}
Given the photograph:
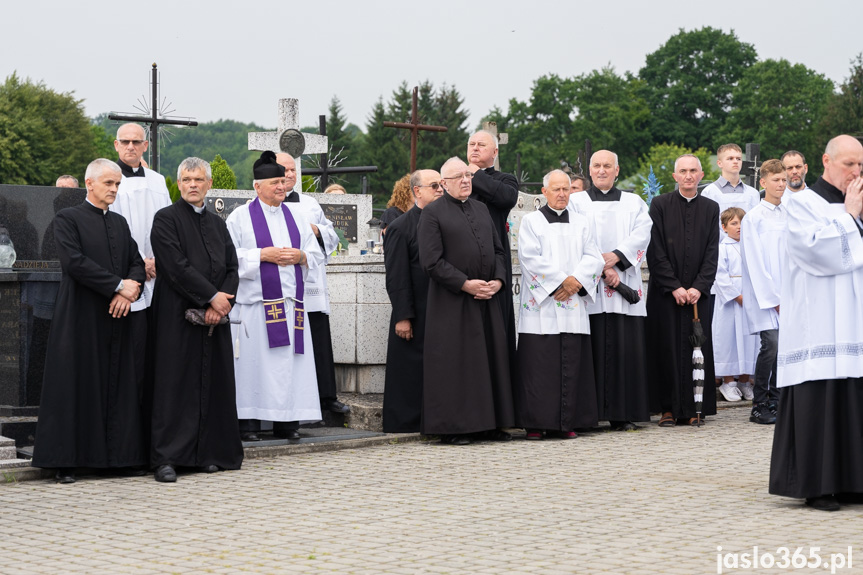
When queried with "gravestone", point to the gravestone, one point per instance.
{"points": [[348, 212], [288, 139]]}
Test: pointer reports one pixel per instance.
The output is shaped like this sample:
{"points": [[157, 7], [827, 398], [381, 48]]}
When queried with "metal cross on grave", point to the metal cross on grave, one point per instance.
{"points": [[502, 139], [326, 169], [415, 127], [750, 167], [153, 120], [288, 138]]}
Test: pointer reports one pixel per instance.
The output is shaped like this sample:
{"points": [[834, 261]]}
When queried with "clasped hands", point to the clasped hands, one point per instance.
{"points": [[480, 289], [122, 300], [567, 289], [686, 296], [283, 256], [218, 308]]}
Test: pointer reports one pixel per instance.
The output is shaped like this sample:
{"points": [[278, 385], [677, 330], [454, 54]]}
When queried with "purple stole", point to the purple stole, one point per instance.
{"points": [[275, 312]]}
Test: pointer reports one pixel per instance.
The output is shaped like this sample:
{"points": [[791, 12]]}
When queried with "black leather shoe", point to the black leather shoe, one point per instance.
{"points": [[335, 406], [455, 440], [249, 436], [287, 434], [496, 435], [209, 469], [165, 474], [65, 475], [823, 503]]}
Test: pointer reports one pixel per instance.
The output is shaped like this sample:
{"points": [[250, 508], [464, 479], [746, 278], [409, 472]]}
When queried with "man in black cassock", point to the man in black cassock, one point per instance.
{"points": [[407, 287], [466, 377], [194, 395], [682, 258], [90, 415], [499, 192]]}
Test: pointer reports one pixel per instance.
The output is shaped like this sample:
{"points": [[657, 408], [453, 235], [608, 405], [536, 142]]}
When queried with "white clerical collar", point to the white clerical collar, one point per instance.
{"points": [[685, 198], [271, 209], [604, 192], [94, 205], [196, 208], [558, 212]]}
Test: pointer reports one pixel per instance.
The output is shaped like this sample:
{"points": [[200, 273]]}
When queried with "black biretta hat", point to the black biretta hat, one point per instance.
{"points": [[266, 167]]}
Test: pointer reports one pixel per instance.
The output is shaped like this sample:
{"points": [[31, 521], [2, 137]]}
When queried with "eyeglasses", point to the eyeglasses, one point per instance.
{"points": [[435, 186], [467, 175], [133, 142]]}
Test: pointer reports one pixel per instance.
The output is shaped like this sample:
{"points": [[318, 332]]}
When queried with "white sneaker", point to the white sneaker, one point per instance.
{"points": [[746, 390], [730, 392]]}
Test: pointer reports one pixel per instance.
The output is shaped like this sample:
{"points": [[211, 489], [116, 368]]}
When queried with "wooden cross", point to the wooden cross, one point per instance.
{"points": [[288, 138], [502, 139], [325, 170], [414, 126], [153, 120]]}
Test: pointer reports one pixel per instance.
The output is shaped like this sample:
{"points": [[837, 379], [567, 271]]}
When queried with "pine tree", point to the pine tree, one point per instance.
{"points": [[223, 176]]}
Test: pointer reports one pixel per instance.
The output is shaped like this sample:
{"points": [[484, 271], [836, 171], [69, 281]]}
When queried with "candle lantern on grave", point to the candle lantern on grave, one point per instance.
{"points": [[374, 239], [7, 250]]}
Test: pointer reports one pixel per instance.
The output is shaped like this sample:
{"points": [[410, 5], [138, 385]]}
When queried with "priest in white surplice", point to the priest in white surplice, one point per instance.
{"points": [[818, 441], [273, 356], [142, 193], [560, 266], [621, 225]]}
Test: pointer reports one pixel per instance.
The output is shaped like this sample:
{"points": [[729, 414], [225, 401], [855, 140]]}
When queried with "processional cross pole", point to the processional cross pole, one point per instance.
{"points": [[415, 127], [153, 120]]}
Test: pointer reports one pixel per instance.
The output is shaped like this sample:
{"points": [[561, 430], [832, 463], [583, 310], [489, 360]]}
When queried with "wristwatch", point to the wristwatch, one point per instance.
{"points": [[120, 287]]}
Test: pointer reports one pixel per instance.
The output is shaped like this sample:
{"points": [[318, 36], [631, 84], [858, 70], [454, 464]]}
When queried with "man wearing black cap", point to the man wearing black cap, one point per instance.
{"points": [[273, 356]]}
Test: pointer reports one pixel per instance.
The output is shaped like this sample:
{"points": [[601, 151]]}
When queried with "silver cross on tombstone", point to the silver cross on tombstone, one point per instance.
{"points": [[491, 128], [288, 138]]}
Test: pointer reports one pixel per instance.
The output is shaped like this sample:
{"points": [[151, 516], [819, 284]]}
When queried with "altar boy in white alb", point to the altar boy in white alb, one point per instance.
{"points": [[273, 356], [560, 265], [762, 239], [818, 444]]}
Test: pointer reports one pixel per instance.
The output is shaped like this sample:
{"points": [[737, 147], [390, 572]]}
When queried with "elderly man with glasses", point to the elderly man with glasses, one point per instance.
{"points": [[467, 392], [407, 286]]}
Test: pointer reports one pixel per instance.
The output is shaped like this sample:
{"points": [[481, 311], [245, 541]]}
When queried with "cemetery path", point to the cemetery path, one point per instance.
{"points": [[652, 501]]}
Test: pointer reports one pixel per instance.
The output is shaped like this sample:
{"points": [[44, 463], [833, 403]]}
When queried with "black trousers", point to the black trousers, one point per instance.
{"points": [[254, 425], [322, 342]]}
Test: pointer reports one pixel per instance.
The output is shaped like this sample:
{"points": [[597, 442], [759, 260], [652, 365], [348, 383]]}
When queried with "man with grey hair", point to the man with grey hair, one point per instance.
{"points": [[466, 376], [621, 226], [407, 286], [499, 192], [194, 423], [66, 181], [90, 414], [682, 257], [142, 193]]}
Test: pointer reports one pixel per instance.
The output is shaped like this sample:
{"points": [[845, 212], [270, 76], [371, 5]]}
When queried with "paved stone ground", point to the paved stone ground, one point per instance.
{"points": [[651, 501]]}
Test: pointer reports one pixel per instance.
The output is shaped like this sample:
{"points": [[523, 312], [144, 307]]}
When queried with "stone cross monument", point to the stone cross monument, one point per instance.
{"points": [[288, 138]]}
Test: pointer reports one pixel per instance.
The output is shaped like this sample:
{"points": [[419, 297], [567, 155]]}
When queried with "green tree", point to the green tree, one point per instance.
{"points": [[43, 134], [844, 110], [689, 83], [173, 189], [562, 113], [223, 176], [777, 105], [662, 156], [103, 143]]}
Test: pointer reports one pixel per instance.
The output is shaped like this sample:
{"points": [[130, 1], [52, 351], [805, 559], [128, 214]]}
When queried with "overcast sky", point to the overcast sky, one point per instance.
{"points": [[234, 60]]}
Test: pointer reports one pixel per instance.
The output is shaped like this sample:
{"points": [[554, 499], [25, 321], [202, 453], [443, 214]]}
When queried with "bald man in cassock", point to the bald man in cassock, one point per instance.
{"points": [[818, 441], [467, 393], [91, 414], [273, 355], [499, 192], [560, 267], [682, 257]]}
